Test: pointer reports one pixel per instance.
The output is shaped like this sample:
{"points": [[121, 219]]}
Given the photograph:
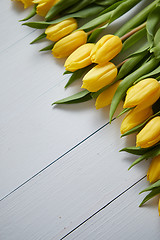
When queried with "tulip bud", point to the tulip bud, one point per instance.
{"points": [[134, 118], [106, 49], [44, 6], [145, 93], [105, 98], [27, 3], [80, 58], [150, 134], [60, 30], [99, 77], [153, 173], [65, 46]]}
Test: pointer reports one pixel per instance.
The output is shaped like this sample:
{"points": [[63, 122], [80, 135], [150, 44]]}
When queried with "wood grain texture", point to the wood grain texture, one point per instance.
{"points": [[122, 219], [72, 189], [67, 156]]}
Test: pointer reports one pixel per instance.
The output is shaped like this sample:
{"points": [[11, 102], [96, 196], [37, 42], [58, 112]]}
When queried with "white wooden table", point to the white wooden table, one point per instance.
{"points": [[61, 173]]}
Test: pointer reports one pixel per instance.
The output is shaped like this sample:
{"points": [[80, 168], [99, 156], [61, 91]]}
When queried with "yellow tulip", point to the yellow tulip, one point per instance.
{"points": [[105, 98], [65, 46], [150, 134], [153, 173], [57, 31], [44, 6], [99, 77], [27, 3], [134, 118], [106, 49], [159, 207], [145, 93], [80, 58]]}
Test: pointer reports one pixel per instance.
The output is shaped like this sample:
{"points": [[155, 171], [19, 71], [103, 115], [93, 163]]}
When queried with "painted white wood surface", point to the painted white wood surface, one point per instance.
{"points": [[122, 219], [34, 135], [70, 190]]}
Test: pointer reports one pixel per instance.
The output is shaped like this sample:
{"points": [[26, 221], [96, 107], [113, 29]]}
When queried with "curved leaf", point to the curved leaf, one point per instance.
{"points": [[150, 154], [59, 7], [133, 39], [152, 21], [75, 98], [152, 194], [31, 14], [41, 36], [136, 20], [87, 12]]}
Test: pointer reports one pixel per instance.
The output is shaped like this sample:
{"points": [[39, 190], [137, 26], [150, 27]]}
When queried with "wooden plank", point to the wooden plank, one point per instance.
{"points": [[33, 134], [64, 195], [123, 219], [11, 29]]}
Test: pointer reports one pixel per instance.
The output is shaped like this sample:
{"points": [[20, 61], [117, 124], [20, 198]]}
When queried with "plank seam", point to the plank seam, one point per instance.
{"points": [[64, 154], [13, 44], [102, 208]]}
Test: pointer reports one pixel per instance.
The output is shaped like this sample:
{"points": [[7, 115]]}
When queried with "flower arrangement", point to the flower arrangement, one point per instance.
{"points": [[135, 80]]}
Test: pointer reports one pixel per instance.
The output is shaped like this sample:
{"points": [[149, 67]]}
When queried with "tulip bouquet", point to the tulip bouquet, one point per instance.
{"points": [[135, 80]]}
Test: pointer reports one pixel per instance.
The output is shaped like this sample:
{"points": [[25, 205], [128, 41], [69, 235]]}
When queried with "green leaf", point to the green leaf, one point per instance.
{"points": [[130, 64], [41, 36], [58, 8], [135, 150], [151, 187], [124, 111], [123, 8], [77, 75], [87, 12], [152, 194], [157, 37], [152, 21], [105, 2], [156, 47], [133, 39], [96, 22], [31, 14], [128, 82], [140, 126], [67, 72], [136, 20], [94, 35], [76, 98], [37, 25], [79, 6], [151, 74], [111, 7], [149, 154], [145, 48], [47, 48], [156, 51]]}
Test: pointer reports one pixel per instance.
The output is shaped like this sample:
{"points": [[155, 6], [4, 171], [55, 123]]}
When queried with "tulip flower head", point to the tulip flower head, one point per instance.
{"points": [[104, 99], [144, 94], [106, 49], [134, 118], [150, 134], [153, 173], [27, 3], [44, 6], [65, 46], [57, 31], [99, 77], [80, 58]]}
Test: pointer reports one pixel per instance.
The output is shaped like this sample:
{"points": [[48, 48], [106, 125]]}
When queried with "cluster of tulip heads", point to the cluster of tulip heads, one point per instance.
{"points": [[72, 43], [141, 98]]}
